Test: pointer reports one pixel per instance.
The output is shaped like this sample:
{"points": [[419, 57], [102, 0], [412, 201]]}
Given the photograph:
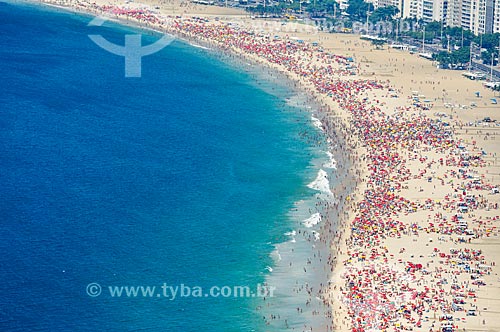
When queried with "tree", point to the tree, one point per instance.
{"points": [[358, 9], [486, 57], [456, 58], [462, 55], [433, 27], [320, 8], [444, 59], [384, 14], [488, 41], [456, 34]]}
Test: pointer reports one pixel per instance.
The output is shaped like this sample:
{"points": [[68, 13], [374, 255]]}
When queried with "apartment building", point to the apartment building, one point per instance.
{"points": [[478, 16]]}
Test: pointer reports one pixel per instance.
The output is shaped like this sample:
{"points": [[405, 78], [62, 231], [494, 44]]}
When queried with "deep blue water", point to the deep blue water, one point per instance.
{"points": [[182, 176]]}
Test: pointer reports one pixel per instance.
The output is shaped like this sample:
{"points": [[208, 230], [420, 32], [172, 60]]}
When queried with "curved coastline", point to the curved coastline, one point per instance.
{"points": [[333, 125], [353, 225], [345, 185]]}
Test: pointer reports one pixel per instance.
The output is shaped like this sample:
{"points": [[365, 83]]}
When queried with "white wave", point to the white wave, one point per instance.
{"points": [[200, 46], [276, 255], [292, 233], [270, 269], [321, 183], [312, 220], [316, 235], [332, 163], [317, 123]]}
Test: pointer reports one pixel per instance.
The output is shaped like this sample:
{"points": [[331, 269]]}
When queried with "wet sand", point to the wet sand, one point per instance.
{"points": [[413, 228]]}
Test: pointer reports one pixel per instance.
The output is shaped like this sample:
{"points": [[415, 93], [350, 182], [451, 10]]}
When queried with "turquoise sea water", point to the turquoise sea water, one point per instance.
{"points": [[183, 176]]}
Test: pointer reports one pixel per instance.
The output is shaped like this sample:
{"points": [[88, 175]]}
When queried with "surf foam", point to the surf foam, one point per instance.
{"points": [[332, 163], [317, 123], [321, 183], [312, 220]]}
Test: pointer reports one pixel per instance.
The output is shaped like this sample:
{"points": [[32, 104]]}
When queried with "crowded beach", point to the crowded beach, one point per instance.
{"points": [[413, 225]]}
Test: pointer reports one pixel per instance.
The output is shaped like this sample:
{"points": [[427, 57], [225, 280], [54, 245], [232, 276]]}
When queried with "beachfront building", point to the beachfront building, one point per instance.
{"points": [[454, 13], [489, 16], [426, 10], [496, 16], [474, 15], [385, 3], [478, 16]]}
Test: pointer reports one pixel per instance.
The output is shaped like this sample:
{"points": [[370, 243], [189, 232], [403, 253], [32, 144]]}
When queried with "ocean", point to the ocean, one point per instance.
{"points": [[194, 174]]}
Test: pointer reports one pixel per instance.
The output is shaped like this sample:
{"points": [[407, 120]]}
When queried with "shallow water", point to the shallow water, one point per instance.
{"points": [[188, 175]]}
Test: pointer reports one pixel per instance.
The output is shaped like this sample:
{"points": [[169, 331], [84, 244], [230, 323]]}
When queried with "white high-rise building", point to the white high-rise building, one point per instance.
{"points": [[426, 10], [454, 13], [496, 16], [385, 3], [478, 16], [474, 15]]}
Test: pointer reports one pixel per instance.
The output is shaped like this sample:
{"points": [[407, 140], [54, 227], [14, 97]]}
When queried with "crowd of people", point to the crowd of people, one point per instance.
{"points": [[384, 287]]}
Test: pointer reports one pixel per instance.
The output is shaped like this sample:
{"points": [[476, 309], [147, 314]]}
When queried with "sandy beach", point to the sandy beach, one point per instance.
{"points": [[412, 226]]}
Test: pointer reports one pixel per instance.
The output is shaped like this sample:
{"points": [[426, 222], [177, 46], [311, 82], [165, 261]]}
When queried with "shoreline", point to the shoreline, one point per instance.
{"points": [[381, 160], [238, 59]]}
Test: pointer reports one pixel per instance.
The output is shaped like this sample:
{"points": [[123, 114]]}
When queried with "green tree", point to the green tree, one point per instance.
{"points": [[462, 55], [488, 41], [486, 57], [433, 27], [384, 14], [357, 9], [321, 8], [458, 57], [456, 33]]}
